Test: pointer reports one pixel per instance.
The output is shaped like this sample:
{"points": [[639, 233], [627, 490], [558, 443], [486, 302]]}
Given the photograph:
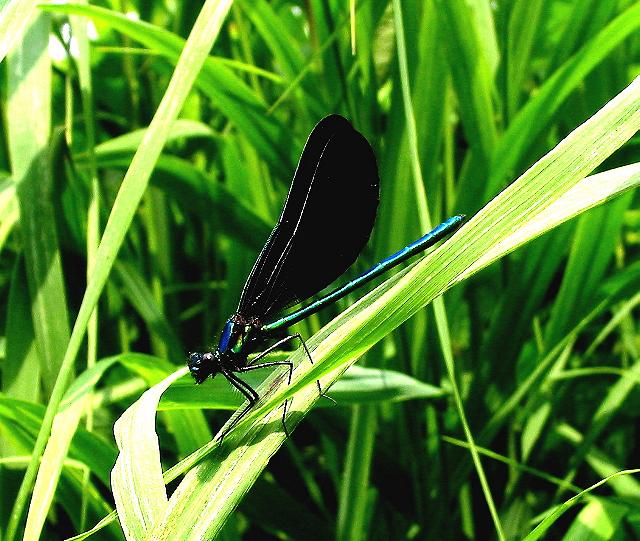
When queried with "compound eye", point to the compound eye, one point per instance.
{"points": [[207, 357], [195, 359]]}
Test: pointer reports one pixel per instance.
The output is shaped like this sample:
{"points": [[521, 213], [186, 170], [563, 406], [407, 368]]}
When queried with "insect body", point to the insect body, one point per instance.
{"points": [[325, 223]]}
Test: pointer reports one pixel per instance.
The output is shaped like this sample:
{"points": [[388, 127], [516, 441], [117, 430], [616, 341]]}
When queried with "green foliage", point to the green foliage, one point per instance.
{"points": [[145, 153]]}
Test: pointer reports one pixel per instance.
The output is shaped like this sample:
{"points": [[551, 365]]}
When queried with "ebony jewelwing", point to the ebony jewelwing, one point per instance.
{"points": [[325, 223]]}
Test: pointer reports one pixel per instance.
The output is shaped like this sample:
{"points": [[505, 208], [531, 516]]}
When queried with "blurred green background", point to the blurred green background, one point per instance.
{"points": [[492, 87]]}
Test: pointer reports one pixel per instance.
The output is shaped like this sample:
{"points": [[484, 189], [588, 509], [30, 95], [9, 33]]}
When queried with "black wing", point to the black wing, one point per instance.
{"points": [[326, 221]]}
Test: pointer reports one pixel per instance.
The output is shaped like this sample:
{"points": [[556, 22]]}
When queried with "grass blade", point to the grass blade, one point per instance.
{"points": [[133, 186], [544, 526], [28, 120], [15, 17], [136, 479]]}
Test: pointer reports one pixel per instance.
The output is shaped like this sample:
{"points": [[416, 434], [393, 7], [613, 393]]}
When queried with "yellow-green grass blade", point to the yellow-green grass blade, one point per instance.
{"points": [[31, 150], [554, 514], [600, 518], [72, 408], [79, 28], [133, 187], [99, 526], [28, 126], [20, 421], [136, 479], [9, 212], [587, 193], [15, 16], [86, 447], [358, 385], [71, 488], [137, 483]]}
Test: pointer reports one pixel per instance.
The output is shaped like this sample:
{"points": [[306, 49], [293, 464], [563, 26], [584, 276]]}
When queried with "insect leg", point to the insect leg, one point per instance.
{"points": [[253, 366], [247, 391], [306, 349], [284, 340], [271, 348]]}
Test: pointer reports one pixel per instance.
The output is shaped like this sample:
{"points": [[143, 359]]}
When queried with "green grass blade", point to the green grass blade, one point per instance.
{"points": [[592, 251], [581, 17], [128, 143], [602, 464], [472, 72], [359, 385], [136, 290], [355, 490], [425, 223], [604, 414], [524, 23], [195, 191], [227, 91], [538, 113], [513, 463], [21, 366], [79, 29]]}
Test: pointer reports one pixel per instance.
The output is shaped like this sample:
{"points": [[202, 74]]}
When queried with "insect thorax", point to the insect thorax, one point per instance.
{"points": [[239, 337]]}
